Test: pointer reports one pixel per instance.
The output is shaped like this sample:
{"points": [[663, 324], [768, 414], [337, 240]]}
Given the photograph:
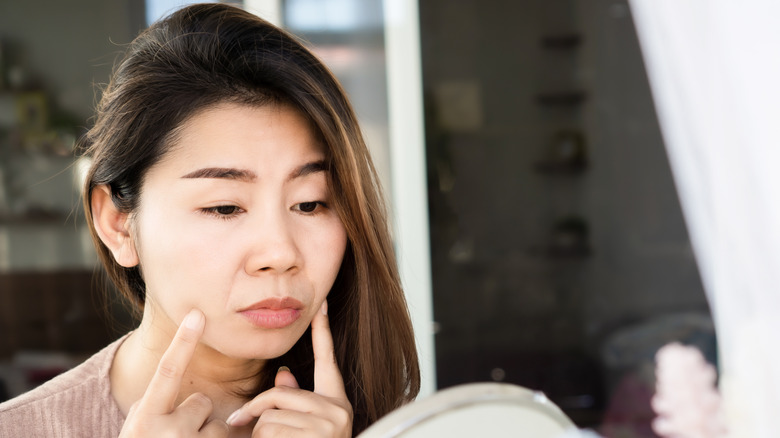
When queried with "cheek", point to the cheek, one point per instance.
{"points": [[333, 244], [177, 259]]}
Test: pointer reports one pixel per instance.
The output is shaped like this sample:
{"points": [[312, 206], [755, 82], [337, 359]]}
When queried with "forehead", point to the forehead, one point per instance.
{"points": [[262, 138]]}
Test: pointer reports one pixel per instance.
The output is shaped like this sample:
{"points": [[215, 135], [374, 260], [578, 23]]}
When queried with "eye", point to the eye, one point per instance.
{"points": [[223, 211], [309, 207]]}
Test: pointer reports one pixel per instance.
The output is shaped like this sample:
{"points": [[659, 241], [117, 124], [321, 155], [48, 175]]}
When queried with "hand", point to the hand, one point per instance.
{"points": [[286, 410], [156, 414]]}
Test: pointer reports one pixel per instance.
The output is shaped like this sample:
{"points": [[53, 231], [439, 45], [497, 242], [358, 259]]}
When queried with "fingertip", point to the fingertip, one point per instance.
{"points": [[321, 318], [285, 378], [235, 418], [194, 320], [327, 375]]}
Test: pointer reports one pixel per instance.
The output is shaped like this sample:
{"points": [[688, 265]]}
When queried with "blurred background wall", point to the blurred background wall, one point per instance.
{"points": [[560, 257]]}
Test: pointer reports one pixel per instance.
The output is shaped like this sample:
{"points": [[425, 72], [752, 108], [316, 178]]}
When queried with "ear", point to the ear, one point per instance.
{"points": [[113, 227]]}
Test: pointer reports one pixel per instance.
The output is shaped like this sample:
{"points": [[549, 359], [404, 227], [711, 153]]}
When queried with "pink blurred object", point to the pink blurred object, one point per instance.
{"points": [[686, 401]]}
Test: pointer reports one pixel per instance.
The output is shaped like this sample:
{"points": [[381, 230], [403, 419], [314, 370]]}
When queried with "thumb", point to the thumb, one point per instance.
{"points": [[285, 378]]}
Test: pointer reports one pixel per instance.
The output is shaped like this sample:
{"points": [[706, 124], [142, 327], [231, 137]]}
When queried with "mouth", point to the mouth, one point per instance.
{"points": [[273, 313]]}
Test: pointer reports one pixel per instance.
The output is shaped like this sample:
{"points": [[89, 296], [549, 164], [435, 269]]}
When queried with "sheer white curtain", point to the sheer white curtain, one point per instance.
{"points": [[714, 68]]}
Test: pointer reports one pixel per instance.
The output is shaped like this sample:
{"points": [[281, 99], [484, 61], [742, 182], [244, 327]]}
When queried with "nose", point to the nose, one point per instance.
{"points": [[272, 247]]}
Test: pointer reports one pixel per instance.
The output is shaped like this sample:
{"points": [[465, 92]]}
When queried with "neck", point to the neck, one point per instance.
{"points": [[219, 377]]}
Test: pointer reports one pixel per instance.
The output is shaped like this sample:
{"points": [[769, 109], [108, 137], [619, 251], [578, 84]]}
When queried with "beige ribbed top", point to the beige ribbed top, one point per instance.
{"points": [[77, 403]]}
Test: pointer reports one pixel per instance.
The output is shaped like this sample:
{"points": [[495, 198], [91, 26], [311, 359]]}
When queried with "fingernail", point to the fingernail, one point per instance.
{"points": [[233, 417], [282, 368], [324, 307], [193, 320]]}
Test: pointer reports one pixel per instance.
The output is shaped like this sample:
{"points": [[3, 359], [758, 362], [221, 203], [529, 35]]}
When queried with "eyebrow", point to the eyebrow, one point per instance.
{"points": [[308, 169], [223, 173], [245, 175]]}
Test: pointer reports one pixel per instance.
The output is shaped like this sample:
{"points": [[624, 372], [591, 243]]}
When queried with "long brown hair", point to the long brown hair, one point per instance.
{"points": [[207, 54]]}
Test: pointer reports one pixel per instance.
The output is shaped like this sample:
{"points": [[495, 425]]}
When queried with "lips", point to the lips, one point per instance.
{"points": [[273, 313]]}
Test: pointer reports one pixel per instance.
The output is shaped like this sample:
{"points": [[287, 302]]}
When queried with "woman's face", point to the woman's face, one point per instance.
{"points": [[236, 221]]}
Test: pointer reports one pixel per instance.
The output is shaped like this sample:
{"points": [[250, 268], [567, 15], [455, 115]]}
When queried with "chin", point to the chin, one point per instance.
{"points": [[263, 347]]}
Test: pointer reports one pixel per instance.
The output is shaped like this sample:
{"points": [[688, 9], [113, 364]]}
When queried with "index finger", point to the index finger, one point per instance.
{"points": [[160, 395], [327, 376]]}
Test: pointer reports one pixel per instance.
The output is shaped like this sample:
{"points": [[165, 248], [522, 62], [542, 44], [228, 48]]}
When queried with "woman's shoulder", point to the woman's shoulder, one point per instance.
{"points": [[75, 403]]}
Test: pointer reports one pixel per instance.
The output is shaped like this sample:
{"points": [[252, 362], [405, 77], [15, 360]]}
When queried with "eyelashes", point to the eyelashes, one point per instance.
{"points": [[224, 212], [228, 212], [312, 207]]}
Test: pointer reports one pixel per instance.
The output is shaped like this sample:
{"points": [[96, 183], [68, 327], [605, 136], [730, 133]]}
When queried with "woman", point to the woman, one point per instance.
{"points": [[230, 193]]}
